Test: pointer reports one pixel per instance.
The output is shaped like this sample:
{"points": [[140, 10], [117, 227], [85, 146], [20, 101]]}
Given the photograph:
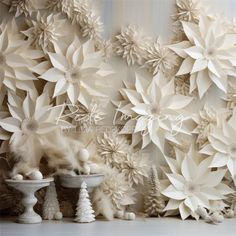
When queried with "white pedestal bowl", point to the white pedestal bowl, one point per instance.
{"points": [[69, 181], [28, 188]]}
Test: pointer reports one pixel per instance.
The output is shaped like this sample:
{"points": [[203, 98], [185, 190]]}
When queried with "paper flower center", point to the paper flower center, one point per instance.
{"points": [[29, 126], [210, 53], [73, 75], [191, 189], [154, 110]]}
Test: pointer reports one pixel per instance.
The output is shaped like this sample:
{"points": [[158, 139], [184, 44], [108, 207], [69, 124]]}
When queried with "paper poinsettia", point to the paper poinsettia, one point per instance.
{"points": [[222, 146], [209, 55], [154, 111], [31, 116], [75, 70], [193, 184]]}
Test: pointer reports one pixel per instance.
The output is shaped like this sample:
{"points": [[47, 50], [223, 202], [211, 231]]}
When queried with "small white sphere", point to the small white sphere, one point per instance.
{"points": [[129, 216], [229, 213], [58, 216], [35, 175], [94, 168], [86, 169], [83, 155], [217, 217], [119, 214], [18, 177]]}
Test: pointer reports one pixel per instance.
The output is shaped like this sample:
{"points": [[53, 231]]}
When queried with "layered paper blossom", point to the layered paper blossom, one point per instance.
{"points": [[182, 85], [153, 111], [193, 184], [130, 44], [44, 31], [31, 116], [208, 55], [161, 59], [206, 121], [112, 148], [15, 60], [19, 7], [188, 10], [222, 146], [75, 70], [134, 168]]}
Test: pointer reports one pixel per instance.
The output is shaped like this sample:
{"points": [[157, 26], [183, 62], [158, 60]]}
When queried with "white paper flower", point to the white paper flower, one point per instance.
{"points": [[131, 45], [208, 55], [153, 109], [195, 185], [44, 31], [222, 146], [161, 58], [14, 62], [75, 70], [29, 116], [134, 168], [112, 148], [188, 10], [19, 7]]}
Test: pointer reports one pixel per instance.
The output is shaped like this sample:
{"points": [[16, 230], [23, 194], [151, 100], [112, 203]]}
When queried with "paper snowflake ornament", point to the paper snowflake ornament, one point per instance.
{"points": [[208, 55], [130, 44], [161, 59], [154, 111], [75, 70], [194, 185], [84, 210], [44, 31]]}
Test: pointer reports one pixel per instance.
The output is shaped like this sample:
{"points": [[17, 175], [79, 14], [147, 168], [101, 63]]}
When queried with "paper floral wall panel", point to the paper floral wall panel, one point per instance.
{"points": [[127, 92]]}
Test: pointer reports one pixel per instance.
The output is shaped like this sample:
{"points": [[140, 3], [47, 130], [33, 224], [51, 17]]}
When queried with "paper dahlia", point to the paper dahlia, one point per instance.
{"points": [[194, 186], [208, 55]]}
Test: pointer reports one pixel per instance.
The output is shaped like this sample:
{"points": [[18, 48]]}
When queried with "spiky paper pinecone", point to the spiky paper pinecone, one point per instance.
{"points": [[153, 200]]}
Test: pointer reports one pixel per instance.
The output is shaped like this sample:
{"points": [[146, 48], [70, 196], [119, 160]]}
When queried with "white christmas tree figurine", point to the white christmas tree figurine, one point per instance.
{"points": [[51, 208], [84, 210], [153, 200]]}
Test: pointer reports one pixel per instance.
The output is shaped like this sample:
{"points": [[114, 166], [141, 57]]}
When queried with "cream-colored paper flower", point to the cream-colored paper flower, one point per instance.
{"points": [[195, 185], [112, 148], [188, 10], [130, 44], [29, 116], [161, 59], [153, 111], [134, 168], [75, 71], [208, 55], [44, 31], [19, 7], [15, 60], [222, 146]]}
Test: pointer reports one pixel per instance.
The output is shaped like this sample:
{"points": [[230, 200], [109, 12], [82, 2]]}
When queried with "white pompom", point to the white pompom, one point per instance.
{"points": [[94, 168], [35, 175], [58, 216], [18, 177], [86, 169], [129, 216], [83, 155]]}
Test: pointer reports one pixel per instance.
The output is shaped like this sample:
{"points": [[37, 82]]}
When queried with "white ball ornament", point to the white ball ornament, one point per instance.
{"points": [[18, 177], [83, 155], [229, 213], [86, 169], [35, 175], [58, 216], [217, 217], [94, 168], [129, 216]]}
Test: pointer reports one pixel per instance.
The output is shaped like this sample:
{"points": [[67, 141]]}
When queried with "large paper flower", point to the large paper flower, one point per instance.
{"points": [[29, 116], [193, 185], [209, 55], [44, 31], [75, 69], [222, 146], [153, 111]]}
